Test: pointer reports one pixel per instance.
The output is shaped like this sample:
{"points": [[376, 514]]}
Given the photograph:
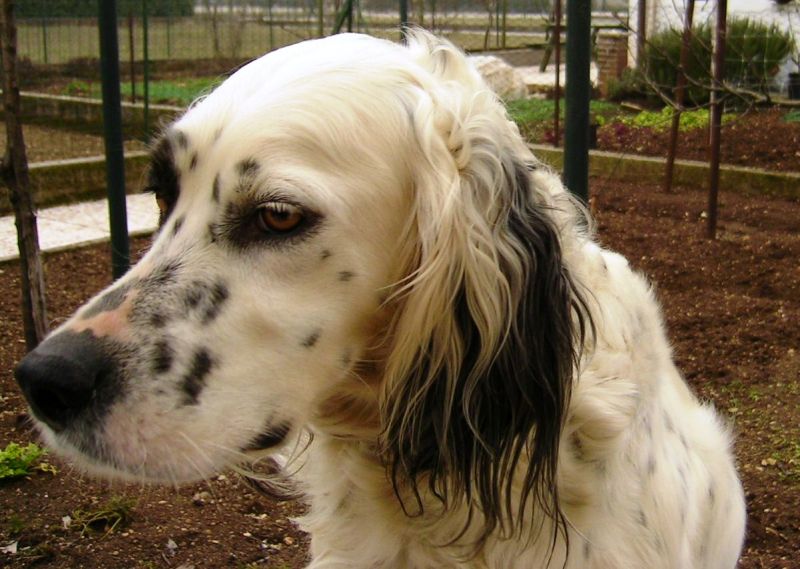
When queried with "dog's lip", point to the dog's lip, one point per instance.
{"points": [[271, 437]]}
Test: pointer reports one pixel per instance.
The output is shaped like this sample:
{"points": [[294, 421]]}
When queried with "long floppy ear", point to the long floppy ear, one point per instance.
{"points": [[485, 345]]}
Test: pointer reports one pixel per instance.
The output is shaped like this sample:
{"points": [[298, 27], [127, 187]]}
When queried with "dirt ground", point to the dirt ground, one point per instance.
{"points": [[759, 138], [732, 307]]}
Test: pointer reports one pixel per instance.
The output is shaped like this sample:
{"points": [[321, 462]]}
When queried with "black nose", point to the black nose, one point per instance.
{"points": [[60, 378]]}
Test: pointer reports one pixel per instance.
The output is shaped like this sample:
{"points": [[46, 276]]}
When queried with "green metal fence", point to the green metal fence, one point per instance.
{"points": [[183, 47]]}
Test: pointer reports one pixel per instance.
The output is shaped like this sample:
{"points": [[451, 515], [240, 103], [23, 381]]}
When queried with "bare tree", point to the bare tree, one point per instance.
{"points": [[15, 176]]}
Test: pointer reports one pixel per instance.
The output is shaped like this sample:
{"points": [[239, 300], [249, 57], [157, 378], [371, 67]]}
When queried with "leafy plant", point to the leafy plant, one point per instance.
{"points": [[661, 120], [16, 460], [534, 116], [792, 116], [108, 517]]}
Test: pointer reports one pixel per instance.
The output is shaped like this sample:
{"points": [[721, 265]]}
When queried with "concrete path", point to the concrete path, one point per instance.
{"points": [[64, 227]]}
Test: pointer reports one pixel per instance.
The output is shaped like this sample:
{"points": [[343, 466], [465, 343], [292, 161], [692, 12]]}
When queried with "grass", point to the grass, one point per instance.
{"points": [[115, 513], [17, 461], [176, 91], [535, 116]]}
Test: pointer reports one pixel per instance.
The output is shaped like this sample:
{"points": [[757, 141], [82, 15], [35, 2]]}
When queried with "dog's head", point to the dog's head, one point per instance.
{"points": [[354, 241]]}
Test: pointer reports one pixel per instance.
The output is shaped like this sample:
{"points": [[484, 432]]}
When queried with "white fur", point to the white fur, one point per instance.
{"points": [[380, 141]]}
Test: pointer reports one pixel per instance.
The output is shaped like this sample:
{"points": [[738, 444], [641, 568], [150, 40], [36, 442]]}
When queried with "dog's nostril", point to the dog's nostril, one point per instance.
{"points": [[56, 387], [59, 378]]}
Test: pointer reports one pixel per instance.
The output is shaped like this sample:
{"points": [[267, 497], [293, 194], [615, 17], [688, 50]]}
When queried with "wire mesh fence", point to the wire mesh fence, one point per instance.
{"points": [[172, 51], [248, 28]]}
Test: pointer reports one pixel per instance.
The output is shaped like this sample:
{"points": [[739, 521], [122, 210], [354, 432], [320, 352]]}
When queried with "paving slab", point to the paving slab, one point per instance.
{"points": [[67, 226]]}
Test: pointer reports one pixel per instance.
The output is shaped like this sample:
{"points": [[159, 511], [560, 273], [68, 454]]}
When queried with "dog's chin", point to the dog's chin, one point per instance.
{"points": [[179, 468]]}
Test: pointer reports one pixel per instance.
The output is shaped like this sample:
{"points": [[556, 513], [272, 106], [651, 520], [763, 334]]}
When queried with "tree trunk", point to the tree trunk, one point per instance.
{"points": [[15, 177]]}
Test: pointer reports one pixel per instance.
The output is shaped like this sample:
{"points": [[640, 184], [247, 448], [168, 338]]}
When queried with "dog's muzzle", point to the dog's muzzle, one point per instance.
{"points": [[67, 378]]}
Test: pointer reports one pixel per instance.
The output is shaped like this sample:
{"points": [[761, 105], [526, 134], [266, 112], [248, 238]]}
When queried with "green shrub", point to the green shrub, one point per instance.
{"points": [[661, 120], [16, 460], [754, 52]]}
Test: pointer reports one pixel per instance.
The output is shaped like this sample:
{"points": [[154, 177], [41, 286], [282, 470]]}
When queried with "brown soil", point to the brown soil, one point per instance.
{"points": [[732, 306], [46, 143], [760, 138]]}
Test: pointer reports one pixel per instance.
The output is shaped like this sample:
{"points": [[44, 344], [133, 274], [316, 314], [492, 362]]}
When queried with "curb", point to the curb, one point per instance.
{"points": [[58, 182], [629, 167]]}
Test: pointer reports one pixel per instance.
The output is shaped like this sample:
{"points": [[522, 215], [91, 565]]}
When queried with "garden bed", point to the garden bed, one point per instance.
{"points": [[732, 307]]}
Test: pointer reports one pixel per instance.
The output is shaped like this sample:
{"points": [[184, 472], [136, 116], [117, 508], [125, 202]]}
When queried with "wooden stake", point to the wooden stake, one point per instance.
{"points": [[15, 176], [680, 91], [716, 116]]}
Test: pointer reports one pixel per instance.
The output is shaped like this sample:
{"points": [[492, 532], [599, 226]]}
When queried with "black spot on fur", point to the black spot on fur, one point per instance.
{"points": [[177, 226], [193, 161], [346, 276], [181, 139], [247, 168], [215, 189], [587, 549], [111, 300], [642, 519], [195, 379], [271, 437], [216, 298], [158, 320], [163, 275], [212, 233], [312, 339], [163, 357], [325, 254], [195, 294]]}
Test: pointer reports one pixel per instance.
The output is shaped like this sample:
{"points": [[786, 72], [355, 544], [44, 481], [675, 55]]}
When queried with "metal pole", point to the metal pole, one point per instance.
{"points": [[146, 78], [271, 31], [716, 116], [505, 21], [403, 19], [112, 128], [577, 98], [680, 90]]}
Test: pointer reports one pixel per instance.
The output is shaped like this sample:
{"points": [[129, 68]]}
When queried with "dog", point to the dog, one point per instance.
{"points": [[362, 271]]}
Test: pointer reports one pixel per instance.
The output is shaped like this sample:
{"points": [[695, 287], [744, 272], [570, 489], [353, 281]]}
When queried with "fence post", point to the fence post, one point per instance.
{"points": [[721, 34], [577, 98], [132, 54], [146, 78], [403, 19], [112, 127], [320, 18]]}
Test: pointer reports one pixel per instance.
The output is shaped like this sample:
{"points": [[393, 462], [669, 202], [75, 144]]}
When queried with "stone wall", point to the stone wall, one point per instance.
{"points": [[87, 114], [67, 181]]}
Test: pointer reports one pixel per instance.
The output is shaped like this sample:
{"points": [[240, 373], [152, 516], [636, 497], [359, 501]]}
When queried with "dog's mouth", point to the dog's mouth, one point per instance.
{"points": [[271, 437]]}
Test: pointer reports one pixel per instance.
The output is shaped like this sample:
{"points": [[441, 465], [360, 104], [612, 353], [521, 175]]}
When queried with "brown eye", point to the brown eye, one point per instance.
{"points": [[279, 217]]}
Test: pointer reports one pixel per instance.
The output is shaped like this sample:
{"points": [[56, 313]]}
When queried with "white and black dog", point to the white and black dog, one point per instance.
{"points": [[359, 252]]}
